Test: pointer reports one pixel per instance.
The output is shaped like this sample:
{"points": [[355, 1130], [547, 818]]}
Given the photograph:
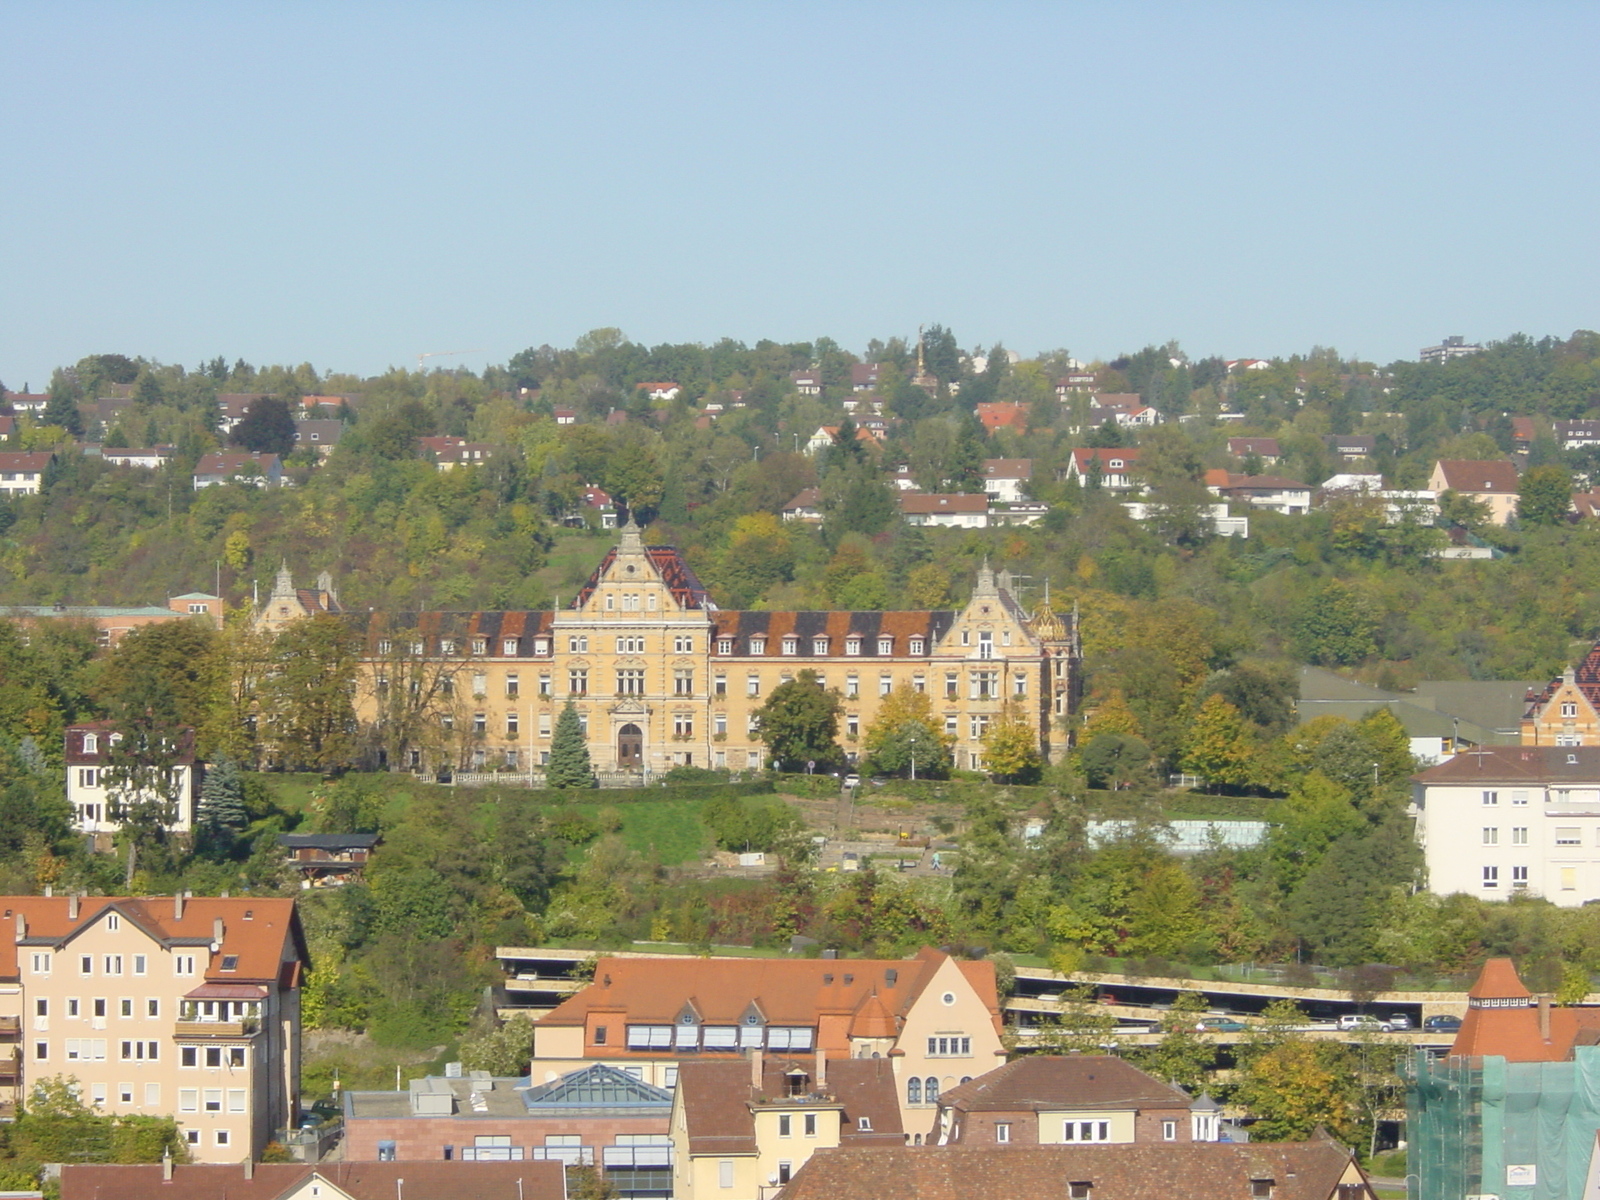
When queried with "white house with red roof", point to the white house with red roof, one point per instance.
{"points": [[1117, 469], [1492, 482]]}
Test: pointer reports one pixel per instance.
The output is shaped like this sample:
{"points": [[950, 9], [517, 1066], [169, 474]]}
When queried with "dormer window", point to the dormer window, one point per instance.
{"points": [[510, 646], [916, 645], [1261, 1189], [1115, 464], [886, 645], [91, 743], [385, 646], [819, 645], [418, 649], [447, 646], [480, 645], [852, 645], [724, 645], [791, 645], [758, 645]]}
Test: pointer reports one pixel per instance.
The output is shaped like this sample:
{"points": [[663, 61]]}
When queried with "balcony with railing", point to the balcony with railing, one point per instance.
{"points": [[189, 1031], [10, 1029]]}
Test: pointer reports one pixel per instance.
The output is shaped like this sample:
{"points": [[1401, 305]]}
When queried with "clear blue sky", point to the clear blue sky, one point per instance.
{"points": [[352, 184]]}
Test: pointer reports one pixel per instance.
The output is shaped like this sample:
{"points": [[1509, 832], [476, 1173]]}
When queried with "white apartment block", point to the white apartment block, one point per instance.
{"points": [[1510, 820], [92, 793], [169, 1006]]}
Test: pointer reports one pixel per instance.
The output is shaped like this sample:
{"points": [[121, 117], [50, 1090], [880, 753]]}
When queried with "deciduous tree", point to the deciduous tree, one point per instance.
{"points": [[799, 723]]}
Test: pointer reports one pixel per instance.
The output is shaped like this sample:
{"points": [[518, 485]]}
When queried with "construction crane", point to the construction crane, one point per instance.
{"points": [[421, 358]]}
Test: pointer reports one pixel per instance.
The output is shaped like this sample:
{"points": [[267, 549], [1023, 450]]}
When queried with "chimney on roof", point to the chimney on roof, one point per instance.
{"points": [[166, 1166], [22, 926], [72, 906], [821, 1078], [177, 905], [755, 1068], [216, 932], [249, 1167], [49, 890], [1544, 1017]]}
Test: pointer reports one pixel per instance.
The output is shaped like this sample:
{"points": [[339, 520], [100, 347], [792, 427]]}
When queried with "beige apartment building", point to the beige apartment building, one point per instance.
{"points": [[661, 677], [160, 1006]]}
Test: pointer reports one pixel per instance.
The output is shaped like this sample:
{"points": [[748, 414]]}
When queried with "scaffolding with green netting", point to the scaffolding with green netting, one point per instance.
{"points": [[1486, 1127]]}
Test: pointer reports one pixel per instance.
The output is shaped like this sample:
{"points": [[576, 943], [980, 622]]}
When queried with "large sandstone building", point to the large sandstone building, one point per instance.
{"points": [[662, 677]]}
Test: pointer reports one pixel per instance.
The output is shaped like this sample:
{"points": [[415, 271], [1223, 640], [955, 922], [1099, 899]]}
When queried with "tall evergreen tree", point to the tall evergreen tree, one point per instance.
{"points": [[222, 804], [569, 753]]}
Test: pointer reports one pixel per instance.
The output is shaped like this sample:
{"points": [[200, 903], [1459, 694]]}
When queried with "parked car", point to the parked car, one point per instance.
{"points": [[852, 781], [1219, 1025], [1399, 1022], [1442, 1024], [1362, 1022]]}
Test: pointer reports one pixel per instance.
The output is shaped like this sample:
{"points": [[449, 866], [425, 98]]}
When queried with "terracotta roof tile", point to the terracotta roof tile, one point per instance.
{"points": [[1309, 1170], [1058, 1081], [1479, 475], [261, 941], [360, 1180]]}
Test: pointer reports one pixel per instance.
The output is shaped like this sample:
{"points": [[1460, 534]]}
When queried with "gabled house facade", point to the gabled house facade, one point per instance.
{"points": [[935, 1020], [22, 472], [97, 798], [163, 1006], [1567, 711], [949, 510], [1004, 479], [1098, 1099], [255, 470], [1492, 482], [741, 1129], [1117, 470]]}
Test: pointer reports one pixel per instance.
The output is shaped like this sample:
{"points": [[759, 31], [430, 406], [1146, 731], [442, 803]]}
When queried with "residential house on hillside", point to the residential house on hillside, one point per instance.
{"points": [[232, 407], [22, 473], [326, 1181], [806, 506], [1075, 381], [1577, 435], [163, 1007], [32, 403], [98, 798], [1351, 447], [1320, 1169], [564, 416], [660, 391], [319, 435], [864, 376], [1045, 1099], [826, 435], [807, 382], [1004, 479], [451, 452], [597, 1115], [935, 1019], [1504, 821], [1287, 496], [1492, 482], [255, 470], [8, 430], [1115, 470], [1002, 415], [742, 1128], [150, 458], [1264, 448], [951, 510]]}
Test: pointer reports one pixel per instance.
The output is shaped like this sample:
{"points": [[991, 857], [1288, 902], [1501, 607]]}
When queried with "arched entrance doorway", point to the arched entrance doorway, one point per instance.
{"points": [[630, 746]]}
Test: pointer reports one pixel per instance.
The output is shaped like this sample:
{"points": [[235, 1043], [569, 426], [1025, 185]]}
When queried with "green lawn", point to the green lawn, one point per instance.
{"points": [[670, 828]]}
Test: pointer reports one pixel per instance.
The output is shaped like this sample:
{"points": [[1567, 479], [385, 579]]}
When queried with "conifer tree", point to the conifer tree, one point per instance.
{"points": [[222, 798], [569, 753]]}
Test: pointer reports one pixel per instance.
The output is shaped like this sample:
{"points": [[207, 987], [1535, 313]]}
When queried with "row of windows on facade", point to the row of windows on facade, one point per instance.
{"points": [[189, 1101], [578, 643], [632, 1157], [138, 1050], [43, 961], [1567, 878], [1519, 799], [1564, 835], [1086, 1131], [188, 1010], [630, 681], [683, 725]]}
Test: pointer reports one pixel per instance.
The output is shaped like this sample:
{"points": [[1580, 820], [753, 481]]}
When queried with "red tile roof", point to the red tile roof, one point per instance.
{"points": [[362, 1180], [1479, 475], [1308, 1170], [676, 573], [1002, 415], [1008, 468], [718, 1098], [927, 503], [1503, 1019], [263, 932], [827, 994], [1050, 1081]]}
